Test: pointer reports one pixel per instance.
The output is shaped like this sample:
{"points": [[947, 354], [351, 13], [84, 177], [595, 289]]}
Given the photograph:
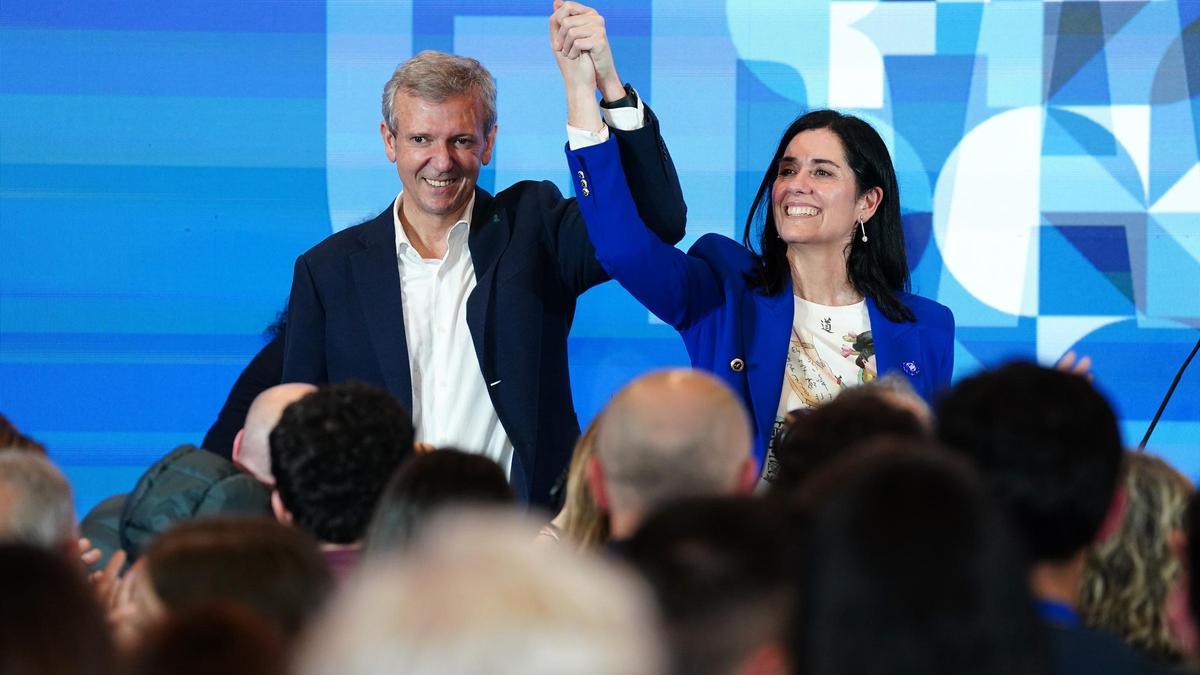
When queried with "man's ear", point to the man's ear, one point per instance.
{"points": [[281, 513], [237, 447], [595, 481], [388, 144], [747, 477]]}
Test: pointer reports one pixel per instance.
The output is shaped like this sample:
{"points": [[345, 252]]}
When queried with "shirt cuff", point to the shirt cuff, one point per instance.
{"points": [[578, 139], [627, 118]]}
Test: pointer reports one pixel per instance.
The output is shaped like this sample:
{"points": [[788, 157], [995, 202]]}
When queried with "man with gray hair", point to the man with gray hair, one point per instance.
{"points": [[667, 435], [475, 597], [36, 504], [460, 302]]}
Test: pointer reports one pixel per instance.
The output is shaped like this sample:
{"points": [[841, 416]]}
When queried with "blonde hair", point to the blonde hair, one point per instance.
{"points": [[582, 520], [1128, 576]]}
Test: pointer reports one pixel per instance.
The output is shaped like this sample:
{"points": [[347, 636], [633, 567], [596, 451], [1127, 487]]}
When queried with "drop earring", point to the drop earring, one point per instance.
{"points": [[863, 225]]}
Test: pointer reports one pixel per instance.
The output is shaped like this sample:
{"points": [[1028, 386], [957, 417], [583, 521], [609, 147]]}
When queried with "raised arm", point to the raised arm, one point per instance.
{"points": [[676, 287], [580, 42]]}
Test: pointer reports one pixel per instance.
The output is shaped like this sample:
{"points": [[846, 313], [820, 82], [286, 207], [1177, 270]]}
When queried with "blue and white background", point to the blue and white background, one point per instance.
{"points": [[162, 165]]}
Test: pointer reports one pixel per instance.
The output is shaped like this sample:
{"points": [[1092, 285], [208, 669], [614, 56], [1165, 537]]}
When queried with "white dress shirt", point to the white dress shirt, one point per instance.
{"points": [[451, 404]]}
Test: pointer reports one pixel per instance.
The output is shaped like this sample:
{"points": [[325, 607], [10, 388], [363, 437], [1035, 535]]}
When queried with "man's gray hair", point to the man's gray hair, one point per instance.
{"points": [[36, 505], [476, 595], [437, 76]]}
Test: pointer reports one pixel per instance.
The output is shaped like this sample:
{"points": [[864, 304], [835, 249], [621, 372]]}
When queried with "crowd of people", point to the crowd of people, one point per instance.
{"points": [[397, 482], [1006, 530]]}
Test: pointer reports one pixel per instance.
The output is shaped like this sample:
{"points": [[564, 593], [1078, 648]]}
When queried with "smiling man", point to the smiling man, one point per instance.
{"points": [[458, 301]]}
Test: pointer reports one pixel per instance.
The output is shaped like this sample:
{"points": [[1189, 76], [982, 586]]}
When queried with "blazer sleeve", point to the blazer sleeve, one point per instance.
{"points": [[655, 191], [652, 179], [304, 339], [673, 285]]}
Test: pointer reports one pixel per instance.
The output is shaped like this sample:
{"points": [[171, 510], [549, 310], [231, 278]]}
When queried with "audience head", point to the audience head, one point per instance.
{"points": [[332, 452], [722, 572], [11, 437], [473, 596], [910, 568], [1192, 556], [257, 563], [50, 621], [581, 520], [252, 446], [436, 76], [430, 481], [1129, 575], [667, 435], [877, 269], [1048, 447], [821, 435], [36, 505], [210, 639]]}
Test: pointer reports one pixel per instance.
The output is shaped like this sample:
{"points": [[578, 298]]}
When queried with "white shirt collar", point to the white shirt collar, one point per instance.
{"points": [[455, 237]]}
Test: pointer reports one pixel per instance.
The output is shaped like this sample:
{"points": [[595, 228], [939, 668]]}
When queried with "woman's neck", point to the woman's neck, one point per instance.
{"points": [[821, 277]]}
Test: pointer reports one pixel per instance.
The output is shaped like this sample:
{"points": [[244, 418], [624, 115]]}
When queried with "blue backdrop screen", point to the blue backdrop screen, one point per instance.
{"points": [[162, 165]]}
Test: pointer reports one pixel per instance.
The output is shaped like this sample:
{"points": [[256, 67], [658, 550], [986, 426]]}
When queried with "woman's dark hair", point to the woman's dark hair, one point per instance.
{"points": [[426, 482], [50, 620], [257, 563], [876, 269], [910, 568]]}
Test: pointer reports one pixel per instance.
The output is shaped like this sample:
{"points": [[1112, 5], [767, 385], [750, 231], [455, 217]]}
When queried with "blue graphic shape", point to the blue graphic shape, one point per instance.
{"points": [[958, 27], [1173, 274], [1079, 73], [1069, 134], [1071, 285]]}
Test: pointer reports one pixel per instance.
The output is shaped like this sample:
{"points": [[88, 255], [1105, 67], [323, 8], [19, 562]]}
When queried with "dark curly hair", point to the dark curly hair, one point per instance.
{"points": [[332, 453]]}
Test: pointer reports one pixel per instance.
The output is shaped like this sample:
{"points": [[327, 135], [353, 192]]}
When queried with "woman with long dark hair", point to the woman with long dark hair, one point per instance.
{"points": [[815, 298]]}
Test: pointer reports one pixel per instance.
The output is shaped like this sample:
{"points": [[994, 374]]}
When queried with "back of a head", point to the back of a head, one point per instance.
{"points": [[217, 638], [474, 596], [332, 453], [821, 435], [253, 448], [12, 438], [1047, 445], [672, 434], [36, 505], [1129, 575], [721, 568], [257, 563], [50, 621], [427, 482], [910, 569]]}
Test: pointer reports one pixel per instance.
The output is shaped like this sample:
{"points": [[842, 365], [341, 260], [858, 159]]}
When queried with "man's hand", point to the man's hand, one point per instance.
{"points": [[577, 30], [579, 76]]}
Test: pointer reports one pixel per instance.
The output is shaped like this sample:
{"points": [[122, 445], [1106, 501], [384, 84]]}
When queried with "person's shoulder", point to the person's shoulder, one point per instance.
{"points": [[928, 312], [1078, 649], [350, 239], [526, 193]]}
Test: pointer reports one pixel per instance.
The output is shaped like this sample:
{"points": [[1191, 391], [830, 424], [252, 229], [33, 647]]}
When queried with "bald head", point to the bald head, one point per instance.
{"points": [[251, 449], [671, 434]]}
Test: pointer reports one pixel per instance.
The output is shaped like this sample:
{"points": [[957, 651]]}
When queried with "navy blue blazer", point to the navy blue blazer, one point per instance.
{"points": [[729, 328], [532, 259]]}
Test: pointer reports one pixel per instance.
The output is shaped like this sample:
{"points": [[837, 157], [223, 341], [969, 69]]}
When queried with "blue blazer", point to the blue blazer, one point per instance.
{"points": [[532, 259], [730, 329]]}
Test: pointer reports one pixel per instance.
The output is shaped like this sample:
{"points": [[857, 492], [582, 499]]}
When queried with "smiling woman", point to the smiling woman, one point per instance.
{"points": [[822, 304]]}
